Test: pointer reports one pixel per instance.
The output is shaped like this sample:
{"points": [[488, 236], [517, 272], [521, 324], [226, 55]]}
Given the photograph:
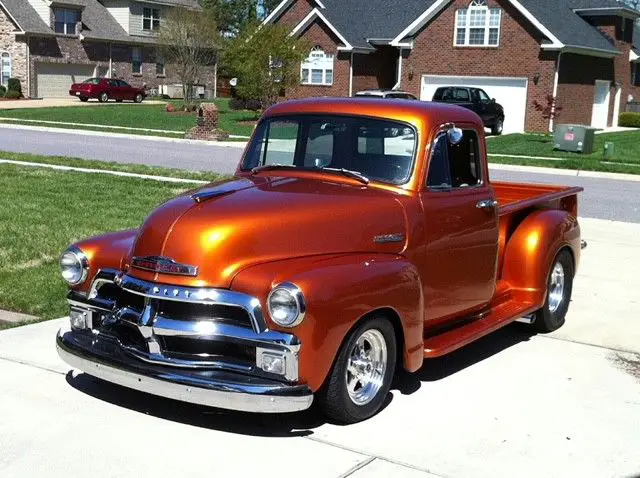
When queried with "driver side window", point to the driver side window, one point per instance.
{"points": [[455, 165]]}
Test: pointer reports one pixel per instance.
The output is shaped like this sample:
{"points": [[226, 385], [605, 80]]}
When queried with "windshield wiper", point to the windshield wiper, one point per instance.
{"points": [[267, 167], [349, 173]]}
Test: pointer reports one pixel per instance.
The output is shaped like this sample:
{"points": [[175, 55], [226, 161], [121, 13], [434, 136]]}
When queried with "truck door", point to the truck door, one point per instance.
{"points": [[461, 226]]}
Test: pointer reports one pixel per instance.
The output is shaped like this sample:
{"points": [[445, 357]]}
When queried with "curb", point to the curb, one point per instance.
{"points": [[12, 318], [139, 137], [565, 172]]}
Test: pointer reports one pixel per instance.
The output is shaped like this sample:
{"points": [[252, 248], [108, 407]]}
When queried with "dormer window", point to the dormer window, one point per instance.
{"points": [[478, 25], [65, 20], [317, 69], [150, 19]]}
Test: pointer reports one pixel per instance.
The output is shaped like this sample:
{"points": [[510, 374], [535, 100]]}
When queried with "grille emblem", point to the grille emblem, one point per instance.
{"points": [[164, 265]]}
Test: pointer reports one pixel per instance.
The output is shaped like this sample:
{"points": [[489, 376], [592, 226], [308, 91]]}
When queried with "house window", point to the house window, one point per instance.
{"points": [[65, 20], [478, 25], [150, 19], [635, 74], [5, 71], [136, 60], [160, 69], [317, 69]]}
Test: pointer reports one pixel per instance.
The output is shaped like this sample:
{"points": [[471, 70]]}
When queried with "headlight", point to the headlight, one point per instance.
{"points": [[74, 266], [286, 305]]}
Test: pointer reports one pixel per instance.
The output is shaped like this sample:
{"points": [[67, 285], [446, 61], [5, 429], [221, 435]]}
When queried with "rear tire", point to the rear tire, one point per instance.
{"points": [[559, 287], [497, 127], [84, 99], [362, 373], [138, 98], [103, 98]]}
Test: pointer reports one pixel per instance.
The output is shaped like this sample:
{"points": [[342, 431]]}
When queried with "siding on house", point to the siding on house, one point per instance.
{"points": [[119, 9], [43, 9], [136, 16]]}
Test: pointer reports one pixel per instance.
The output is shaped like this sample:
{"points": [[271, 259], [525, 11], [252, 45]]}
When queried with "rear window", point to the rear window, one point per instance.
{"points": [[93, 81], [381, 150]]}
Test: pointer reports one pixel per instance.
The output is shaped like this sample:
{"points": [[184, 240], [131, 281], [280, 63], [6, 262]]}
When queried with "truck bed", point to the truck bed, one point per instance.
{"points": [[513, 197]]}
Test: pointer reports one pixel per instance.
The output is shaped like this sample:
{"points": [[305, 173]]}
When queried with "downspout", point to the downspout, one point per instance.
{"points": [[29, 93], [351, 75], [215, 79], [399, 81], [555, 90], [110, 62]]}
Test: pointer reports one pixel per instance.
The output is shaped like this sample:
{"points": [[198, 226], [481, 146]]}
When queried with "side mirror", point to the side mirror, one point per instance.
{"points": [[454, 135], [493, 100]]}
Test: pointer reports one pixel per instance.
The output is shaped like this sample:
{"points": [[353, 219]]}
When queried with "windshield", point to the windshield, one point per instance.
{"points": [[380, 150]]}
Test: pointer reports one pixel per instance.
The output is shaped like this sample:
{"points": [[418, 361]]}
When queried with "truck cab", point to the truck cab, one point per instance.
{"points": [[357, 237]]}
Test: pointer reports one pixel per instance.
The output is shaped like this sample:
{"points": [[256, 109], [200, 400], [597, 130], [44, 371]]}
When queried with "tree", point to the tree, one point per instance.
{"points": [[232, 16], [266, 60], [189, 40], [550, 109], [269, 6]]}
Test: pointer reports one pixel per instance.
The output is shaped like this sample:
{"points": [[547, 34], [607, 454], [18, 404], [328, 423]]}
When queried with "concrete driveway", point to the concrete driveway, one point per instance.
{"points": [[61, 102], [512, 404]]}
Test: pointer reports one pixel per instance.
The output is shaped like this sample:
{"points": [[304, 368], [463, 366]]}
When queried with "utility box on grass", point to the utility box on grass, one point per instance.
{"points": [[573, 137]]}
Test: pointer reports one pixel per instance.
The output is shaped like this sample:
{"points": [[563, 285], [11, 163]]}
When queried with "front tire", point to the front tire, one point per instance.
{"points": [[559, 288], [362, 373], [103, 98], [138, 98], [497, 127]]}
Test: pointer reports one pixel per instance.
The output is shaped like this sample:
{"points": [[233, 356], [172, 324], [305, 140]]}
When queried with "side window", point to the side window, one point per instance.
{"points": [[483, 95], [455, 166], [462, 94]]}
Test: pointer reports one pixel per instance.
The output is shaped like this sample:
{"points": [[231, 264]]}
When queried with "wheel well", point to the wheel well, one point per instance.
{"points": [[396, 322], [573, 257]]}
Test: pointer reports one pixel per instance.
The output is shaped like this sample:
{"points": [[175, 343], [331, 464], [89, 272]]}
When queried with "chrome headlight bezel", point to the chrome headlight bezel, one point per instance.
{"points": [[75, 254], [296, 297]]}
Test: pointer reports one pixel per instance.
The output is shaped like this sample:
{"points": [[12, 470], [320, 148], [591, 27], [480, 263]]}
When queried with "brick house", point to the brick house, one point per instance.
{"points": [[49, 44], [518, 51]]}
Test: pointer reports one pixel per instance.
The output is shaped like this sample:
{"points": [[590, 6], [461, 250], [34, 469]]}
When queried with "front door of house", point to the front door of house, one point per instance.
{"points": [[600, 114]]}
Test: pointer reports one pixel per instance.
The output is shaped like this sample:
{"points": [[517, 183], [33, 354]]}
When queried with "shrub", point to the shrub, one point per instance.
{"points": [[631, 120], [3, 90], [13, 95], [240, 104], [14, 85]]}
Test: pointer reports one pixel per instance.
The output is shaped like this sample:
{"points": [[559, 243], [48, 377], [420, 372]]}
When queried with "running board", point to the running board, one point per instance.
{"points": [[498, 317]]}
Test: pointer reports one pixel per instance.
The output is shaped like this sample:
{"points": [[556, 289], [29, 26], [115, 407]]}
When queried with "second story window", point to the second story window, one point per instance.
{"points": [[150, 19], [65, 20], [478, 25], [317, 69]]}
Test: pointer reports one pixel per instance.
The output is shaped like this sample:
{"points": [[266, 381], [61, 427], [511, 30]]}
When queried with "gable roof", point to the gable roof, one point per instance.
{"points": [[25, 16], [365, 24]]}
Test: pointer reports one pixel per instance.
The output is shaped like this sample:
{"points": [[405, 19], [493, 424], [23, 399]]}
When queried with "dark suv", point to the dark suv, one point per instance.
{"points": [[476, 100]]}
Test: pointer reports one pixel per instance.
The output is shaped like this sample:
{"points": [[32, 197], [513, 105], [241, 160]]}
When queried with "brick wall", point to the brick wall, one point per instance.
{"points": [[375, 70], [519, 55], [16, 47]]}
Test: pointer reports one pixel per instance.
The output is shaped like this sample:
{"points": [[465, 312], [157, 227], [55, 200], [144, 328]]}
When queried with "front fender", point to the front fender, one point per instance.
{"points": [[339, 291], [105, 252], [532, 248]]}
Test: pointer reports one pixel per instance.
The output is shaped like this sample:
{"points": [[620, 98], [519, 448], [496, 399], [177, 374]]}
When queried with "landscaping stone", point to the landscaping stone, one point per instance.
{"points": [[207, 124]]}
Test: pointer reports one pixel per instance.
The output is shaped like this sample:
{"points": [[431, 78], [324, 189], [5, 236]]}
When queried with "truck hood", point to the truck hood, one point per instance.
{"points": [[248, 221]]}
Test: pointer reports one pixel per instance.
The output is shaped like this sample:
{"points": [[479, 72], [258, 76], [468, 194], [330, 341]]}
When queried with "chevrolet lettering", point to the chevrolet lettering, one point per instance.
{"points": [[357, 238]]}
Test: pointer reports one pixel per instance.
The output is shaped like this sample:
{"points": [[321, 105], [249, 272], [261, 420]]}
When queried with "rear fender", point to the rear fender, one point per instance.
{"points": [[531, 249], [339, 292]]}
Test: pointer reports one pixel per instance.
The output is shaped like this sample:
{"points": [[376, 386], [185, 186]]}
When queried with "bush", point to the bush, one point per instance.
{"points": [[3, 90], [240, 104], [631, 120], [14, 85], [13, 95]]}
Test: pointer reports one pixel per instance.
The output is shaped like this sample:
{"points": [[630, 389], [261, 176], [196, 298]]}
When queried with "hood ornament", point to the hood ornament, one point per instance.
{"points": [[164, 265]]}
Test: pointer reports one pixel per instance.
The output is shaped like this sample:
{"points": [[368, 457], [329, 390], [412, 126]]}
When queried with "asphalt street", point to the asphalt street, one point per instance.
{"points": [[603, 198]]}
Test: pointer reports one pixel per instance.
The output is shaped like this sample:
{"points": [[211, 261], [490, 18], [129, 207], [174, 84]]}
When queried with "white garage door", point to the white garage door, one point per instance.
{"points": [[511, 93], [54, 79]]}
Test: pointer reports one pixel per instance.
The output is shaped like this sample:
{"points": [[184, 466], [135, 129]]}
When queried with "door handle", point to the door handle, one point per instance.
{"points": [[487, 204]]}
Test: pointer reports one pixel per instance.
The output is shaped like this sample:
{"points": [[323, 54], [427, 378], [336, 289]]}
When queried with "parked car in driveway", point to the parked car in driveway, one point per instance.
{"points": [[389, 94], [105, 89], [339, 250], [477, 100]]}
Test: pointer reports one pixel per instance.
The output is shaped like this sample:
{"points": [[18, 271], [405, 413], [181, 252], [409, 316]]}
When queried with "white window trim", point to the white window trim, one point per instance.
{"points": [[150, 18], [307, 64], [75, 27], [2, 82], [468, 27]]}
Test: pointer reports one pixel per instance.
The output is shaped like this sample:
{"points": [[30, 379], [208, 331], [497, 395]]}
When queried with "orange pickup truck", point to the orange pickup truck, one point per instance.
{"points": [[358, 236]]}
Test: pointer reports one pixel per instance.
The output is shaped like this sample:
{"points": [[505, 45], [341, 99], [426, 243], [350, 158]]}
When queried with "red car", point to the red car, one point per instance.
{"points": [[105, 89]]}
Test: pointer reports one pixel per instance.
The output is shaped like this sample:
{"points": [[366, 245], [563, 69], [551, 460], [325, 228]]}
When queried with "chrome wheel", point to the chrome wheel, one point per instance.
{"points": [[366, 367], [556, 287]]}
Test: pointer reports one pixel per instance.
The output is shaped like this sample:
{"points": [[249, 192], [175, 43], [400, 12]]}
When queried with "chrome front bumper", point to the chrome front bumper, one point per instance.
{"points": [[103, 357]]}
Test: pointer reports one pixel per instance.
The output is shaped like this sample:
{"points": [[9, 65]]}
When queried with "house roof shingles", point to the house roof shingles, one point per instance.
{"points": [[359, 21], [27, 18]]}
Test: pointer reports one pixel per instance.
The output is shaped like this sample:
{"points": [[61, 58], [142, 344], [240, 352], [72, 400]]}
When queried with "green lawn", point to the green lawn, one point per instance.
{"points": [[136, 116], [43, 210], [626, 144]]}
